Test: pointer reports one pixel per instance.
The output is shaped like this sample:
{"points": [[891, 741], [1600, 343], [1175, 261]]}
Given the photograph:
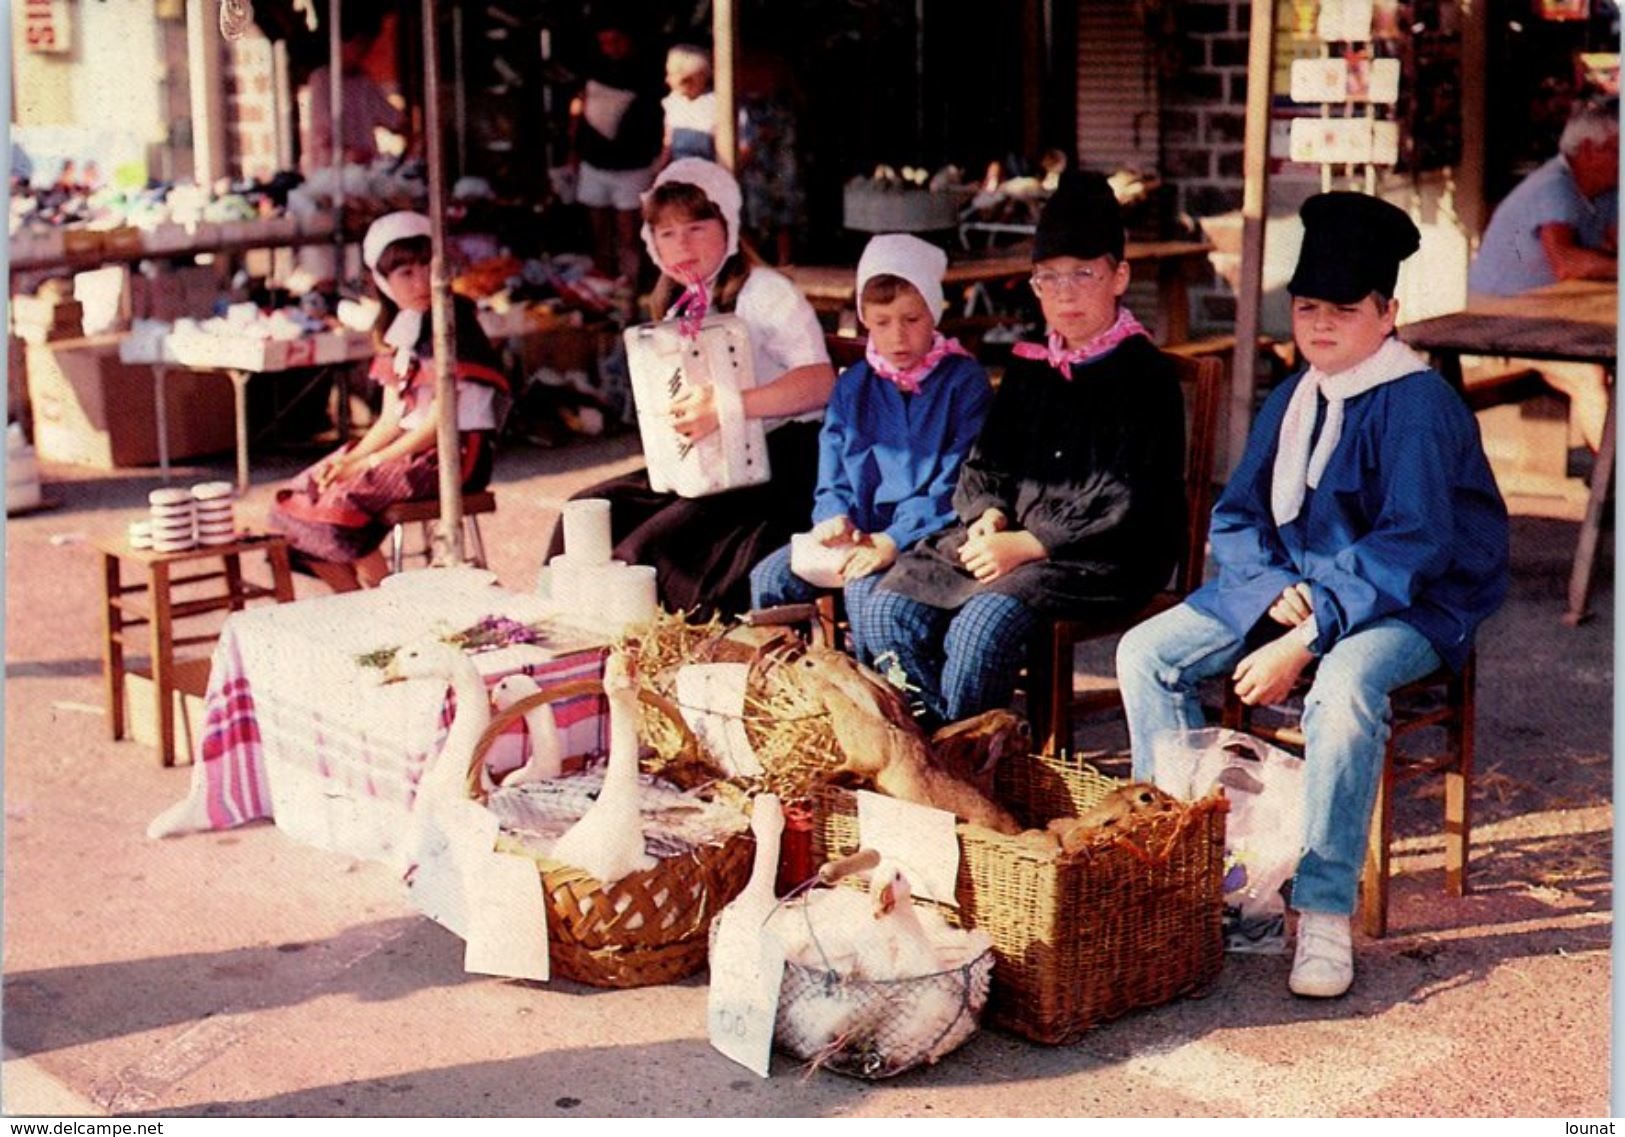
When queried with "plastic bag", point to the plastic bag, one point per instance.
{"points": [[1264, 831]]}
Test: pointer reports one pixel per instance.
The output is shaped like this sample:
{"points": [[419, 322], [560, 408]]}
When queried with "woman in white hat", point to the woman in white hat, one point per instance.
{"points": [[331, 511]]}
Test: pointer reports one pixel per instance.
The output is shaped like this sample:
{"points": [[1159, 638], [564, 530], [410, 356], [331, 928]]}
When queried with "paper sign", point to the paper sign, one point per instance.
{"points": [[492, 900], [1345, 141], [507, 919], [1345, 20], [1357, 79], [747, 968], [712, 698], [921, 839]]}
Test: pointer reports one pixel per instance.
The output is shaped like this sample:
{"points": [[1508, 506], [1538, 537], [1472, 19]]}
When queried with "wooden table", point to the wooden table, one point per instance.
{"points": [[153, 604], [1575, 321], [831, 288]]}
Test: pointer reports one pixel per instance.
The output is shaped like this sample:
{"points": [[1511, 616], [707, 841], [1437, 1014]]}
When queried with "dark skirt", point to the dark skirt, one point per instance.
{"points": [[343, 523], [703, 548]]}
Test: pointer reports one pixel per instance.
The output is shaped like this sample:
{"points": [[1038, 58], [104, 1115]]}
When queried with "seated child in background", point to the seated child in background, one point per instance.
{"points": [[1363, 527], [896, 430], [691, 108], [1071, 503]]}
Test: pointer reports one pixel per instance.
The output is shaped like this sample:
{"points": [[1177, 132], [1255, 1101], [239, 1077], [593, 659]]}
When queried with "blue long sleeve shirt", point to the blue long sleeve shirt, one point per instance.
{"points": [[1406, 522], [889, 461]]}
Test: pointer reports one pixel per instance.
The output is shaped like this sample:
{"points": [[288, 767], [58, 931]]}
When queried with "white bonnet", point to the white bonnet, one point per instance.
{"points": [[713, 181], [384, 232], [899, 254]]}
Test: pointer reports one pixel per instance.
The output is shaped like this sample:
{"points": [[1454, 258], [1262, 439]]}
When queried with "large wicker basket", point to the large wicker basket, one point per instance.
{"points": [[649, 927], [1085, 937]]}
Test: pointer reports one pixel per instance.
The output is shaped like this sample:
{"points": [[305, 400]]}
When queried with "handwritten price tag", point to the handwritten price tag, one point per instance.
{"points": [[747, 967]]}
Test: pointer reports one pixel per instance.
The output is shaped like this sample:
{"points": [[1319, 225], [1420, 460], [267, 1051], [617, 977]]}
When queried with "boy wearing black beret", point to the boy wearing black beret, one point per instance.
{"points": [[1071, 502], [1361, 528]]}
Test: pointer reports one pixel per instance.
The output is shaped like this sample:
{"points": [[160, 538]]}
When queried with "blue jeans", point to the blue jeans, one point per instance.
{"points": [[1345, 724], [772, 583], [963, 661]]}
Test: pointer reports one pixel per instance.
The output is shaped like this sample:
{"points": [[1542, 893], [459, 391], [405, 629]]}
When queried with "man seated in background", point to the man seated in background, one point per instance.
{"points": [[1561, 223]]}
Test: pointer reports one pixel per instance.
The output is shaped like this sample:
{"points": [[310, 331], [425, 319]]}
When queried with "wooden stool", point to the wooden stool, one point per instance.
{"points": [[1443, 699], [426, 512], [153, 604]]}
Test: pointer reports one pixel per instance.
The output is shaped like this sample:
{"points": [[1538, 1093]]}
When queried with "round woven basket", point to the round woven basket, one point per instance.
{"points": [[648, 927]]}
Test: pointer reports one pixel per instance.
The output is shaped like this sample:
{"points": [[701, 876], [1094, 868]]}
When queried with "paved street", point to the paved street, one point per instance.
{"points": [[239, 973]]}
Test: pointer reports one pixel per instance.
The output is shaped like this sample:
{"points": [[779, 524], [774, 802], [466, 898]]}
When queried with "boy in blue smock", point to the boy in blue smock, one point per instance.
{"points": [[896, 430], [1361, 528]]}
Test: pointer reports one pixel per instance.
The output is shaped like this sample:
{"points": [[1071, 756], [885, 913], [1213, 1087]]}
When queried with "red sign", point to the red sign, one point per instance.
{"points": [[46, 27]]}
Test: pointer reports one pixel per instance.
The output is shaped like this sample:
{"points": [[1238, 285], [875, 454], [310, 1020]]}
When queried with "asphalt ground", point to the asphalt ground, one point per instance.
{"points": [[239, 973]]}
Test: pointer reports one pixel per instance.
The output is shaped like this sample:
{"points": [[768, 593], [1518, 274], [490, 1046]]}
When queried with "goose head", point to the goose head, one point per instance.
{"points": [[889, 890], [428, 658]]}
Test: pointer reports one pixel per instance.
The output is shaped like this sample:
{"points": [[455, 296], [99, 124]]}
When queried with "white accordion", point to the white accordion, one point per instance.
{"points": [[663, 363]]}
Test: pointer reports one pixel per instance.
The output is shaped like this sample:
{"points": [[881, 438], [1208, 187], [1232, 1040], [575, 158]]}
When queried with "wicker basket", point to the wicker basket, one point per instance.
{"points": [[648, 927], [1085, 937]]}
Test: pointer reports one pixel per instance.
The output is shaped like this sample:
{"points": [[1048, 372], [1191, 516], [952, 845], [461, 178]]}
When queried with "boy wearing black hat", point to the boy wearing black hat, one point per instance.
{"points": [[1070, 503], [1362, 527]]}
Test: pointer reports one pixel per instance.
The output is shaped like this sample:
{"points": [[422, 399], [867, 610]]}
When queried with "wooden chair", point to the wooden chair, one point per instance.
{"points": [[1051, 701], [426, 512], [1440, 699]]}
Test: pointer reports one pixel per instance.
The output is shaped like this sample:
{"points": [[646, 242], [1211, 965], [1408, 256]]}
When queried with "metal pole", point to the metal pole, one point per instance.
{"points": [[724, 52], [335, 125], [1254, 209], [448, 541]]}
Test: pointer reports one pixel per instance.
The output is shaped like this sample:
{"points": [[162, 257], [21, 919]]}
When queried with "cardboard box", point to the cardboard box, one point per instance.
{"points": [[90, 409], [176, 292], [141, 707], [44, 319]]}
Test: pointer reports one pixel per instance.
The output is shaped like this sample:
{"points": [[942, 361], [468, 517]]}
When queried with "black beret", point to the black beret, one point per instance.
{"points": [[1352, 246], [1081, 219]]}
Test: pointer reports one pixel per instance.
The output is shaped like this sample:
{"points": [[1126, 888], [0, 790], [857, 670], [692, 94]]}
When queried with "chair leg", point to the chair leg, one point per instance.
{"points": [[1058, 727], [1458, 787], [475, 542], [1374, 881], [397, 548]]}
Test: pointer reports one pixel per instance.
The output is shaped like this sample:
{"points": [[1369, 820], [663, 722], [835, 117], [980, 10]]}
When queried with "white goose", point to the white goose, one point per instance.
{"points": [[756, 901], [897, 945], [433, 658], [607, 842], [546, 760]]}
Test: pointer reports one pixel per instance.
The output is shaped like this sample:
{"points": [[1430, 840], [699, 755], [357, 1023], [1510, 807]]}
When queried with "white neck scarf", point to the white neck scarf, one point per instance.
{"points": [[402, 335], [1296, 469]]}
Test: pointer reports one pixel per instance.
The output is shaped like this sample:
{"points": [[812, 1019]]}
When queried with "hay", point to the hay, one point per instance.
{"points": [[786, 723]]}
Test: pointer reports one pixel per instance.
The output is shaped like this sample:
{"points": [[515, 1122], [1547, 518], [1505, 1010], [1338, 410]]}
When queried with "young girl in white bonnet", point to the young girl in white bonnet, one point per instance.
{"points": [[331, 511], [703, 548]]}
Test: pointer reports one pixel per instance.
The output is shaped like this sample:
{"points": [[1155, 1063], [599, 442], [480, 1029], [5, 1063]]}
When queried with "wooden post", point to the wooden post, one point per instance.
{"points": [[208, 101], [724, 58], [448, 541], [1470, 209], [1254, 211]]}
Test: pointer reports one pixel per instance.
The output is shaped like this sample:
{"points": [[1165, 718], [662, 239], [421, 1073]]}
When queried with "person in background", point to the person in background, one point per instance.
{"points": [[895, 433], [331, 511], [614, 141], [691, 108], [1071, 503], [1561, 223], [1362, 527], [365, 106], [703, 548], [769, 167]]}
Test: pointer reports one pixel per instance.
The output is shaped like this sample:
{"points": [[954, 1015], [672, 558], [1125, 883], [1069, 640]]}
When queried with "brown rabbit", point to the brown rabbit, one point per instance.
{"points": [[1109, 813]]}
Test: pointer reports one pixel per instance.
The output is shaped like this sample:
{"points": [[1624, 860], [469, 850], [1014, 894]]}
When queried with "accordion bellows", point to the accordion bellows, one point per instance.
{"points": [[663, 363]]}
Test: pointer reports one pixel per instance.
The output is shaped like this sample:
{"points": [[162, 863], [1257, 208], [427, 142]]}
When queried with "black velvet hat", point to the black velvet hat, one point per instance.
{"points": [[1081, 219], [1352, 246]]}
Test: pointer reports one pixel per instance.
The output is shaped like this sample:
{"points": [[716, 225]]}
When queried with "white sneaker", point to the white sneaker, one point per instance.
{"points": [[1323, 967]]}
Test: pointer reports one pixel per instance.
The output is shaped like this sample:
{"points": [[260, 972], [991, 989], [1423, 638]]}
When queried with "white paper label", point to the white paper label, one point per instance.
{"points": [[1358, 79], [747, 968], [712, 699], [1345, 20], [921, 839]]}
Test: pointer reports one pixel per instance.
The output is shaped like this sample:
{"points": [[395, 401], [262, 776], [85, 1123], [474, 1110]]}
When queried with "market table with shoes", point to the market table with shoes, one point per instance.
{"points": [[300, 727]]}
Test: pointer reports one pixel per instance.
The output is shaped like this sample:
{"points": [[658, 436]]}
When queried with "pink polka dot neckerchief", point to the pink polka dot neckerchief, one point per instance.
{"points": [[1054, 350], [909, 381]]}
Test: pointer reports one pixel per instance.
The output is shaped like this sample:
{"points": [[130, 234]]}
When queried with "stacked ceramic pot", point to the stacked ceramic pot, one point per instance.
{"points": [[215, 523], [173, 527]]}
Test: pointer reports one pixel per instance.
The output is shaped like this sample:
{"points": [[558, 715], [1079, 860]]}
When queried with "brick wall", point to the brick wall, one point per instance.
{"points": [[251, 121], [1204, 99]]}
